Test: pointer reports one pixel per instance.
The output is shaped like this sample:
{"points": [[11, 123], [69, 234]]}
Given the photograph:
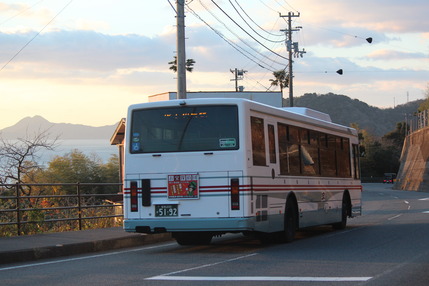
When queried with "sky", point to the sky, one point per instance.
{"points": [[85, 62]]}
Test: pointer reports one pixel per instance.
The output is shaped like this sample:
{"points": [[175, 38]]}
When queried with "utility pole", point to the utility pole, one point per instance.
{"points": [[181, 54], [238, 75], [293, 50]]}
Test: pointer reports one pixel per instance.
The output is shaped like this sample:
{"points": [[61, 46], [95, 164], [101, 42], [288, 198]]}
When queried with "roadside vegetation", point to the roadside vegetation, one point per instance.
{"points": [[47, 206]]}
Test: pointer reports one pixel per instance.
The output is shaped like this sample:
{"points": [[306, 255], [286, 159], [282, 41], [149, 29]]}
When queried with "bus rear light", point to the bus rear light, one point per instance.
{"points": [[235, 195], [134, 197]]}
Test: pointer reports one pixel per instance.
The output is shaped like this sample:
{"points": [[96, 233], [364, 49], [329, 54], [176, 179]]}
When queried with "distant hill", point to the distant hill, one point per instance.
{"points": [[34, 125], [344, 110]]}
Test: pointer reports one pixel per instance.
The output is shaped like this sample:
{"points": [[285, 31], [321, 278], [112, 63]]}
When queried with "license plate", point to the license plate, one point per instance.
{"points": [[166, 210]]}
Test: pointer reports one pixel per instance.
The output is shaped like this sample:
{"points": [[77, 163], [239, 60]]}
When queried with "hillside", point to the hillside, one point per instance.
{"points": [[344, 110], [34, 125]]}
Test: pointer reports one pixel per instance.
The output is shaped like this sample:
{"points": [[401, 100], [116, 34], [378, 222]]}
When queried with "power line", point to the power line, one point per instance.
{"points": [[174, 9], [250, 18], [247, 32], [35, 36], [21, 12], [244, 42], [233, 45]]}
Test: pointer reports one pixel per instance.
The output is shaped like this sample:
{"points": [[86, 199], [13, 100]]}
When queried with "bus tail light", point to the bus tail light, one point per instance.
{"points": [[235, 195], [134, 197]]}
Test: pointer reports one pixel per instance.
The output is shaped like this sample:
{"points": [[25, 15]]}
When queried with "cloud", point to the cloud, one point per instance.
{"points": [[86, 50], [391, 55], [383, 15]]}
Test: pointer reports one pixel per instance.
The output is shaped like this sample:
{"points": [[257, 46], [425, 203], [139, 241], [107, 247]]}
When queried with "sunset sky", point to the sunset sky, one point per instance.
{"points": [[86, 61]]}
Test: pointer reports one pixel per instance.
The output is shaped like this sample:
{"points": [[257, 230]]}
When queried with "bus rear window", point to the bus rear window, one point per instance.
{"points": [[184, 129]]}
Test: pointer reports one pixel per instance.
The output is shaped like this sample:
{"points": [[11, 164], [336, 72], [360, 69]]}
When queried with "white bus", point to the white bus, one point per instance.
{"points": [[199, 168]]}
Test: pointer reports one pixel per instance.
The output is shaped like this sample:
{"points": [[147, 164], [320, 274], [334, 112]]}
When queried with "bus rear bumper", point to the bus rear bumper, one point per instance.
{"points": [[176, 225]]}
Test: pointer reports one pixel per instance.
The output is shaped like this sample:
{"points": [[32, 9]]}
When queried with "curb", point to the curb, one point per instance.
{"points": [[80, 248]]}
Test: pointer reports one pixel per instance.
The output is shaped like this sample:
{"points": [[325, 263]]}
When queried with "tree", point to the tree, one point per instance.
{"points": [[381, 155], [281, 79], [189, 65], [18, 158], [76, 167]]}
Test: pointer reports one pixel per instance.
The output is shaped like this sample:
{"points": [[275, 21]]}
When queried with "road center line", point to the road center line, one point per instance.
{"points": [[260, 278]]}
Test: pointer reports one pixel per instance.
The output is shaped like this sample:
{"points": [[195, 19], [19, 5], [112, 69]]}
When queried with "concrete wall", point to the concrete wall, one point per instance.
{"points": [[413, 173]]}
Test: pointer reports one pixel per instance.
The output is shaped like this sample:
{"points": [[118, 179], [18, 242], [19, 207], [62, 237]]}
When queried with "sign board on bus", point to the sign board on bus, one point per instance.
{"points": [[183, 186]]}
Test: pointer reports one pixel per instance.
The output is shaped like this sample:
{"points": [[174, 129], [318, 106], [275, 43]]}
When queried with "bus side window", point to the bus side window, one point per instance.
{"points": [[272, 144], [327, 155], [282, 131], [294, 150], [258, 141]]}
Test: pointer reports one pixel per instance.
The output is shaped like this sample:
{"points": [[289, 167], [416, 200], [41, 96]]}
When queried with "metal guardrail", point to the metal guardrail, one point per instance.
{"points": [[36, 208]]}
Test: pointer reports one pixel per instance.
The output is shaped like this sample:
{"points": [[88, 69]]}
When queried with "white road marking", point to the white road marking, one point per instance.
{"points": [[424, 199], [83, 258], [172, 277], [393, 217], [208, 265], [260, 278], [426, 212]]}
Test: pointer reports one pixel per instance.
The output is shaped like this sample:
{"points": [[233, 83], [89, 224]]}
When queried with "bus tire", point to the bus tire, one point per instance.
{"points": [[193, 238], [290, 221], [345, 212]]}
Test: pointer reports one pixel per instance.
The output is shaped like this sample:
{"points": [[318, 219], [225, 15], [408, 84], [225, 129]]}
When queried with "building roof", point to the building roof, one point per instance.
{"points": [[119, 134]]}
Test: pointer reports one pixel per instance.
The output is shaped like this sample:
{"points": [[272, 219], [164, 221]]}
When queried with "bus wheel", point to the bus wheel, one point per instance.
{"points": [[345, 206], [193, 238], [290, 223]]}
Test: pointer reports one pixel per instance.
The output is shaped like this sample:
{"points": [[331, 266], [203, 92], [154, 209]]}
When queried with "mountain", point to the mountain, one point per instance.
{"points": [[29, 126], [344, 110]]}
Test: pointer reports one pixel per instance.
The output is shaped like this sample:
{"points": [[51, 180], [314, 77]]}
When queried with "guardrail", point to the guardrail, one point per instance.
{"points": [[35, 208]]}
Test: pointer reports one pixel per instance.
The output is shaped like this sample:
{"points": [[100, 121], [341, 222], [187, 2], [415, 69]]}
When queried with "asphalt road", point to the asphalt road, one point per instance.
{"points": [[388, 245]]}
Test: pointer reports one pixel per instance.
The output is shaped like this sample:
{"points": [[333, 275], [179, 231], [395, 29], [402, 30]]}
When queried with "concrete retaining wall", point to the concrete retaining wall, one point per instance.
{"points": [[413, 174]]}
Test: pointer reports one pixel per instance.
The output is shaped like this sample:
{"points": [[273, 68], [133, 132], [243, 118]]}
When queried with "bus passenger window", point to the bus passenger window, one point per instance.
{"points": [[328, 157], [294, 151], [258, 141], [272, 144], [283, 155], [310, 153]]}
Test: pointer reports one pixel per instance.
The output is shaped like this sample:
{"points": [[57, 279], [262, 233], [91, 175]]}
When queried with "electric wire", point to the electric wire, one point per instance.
{"points": [[238, 37], [21, 12], [244, 42], [35, 36], [273, 41], [233, 45], [287, 3], [174, 9], [263, 3], [226, 14]]}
